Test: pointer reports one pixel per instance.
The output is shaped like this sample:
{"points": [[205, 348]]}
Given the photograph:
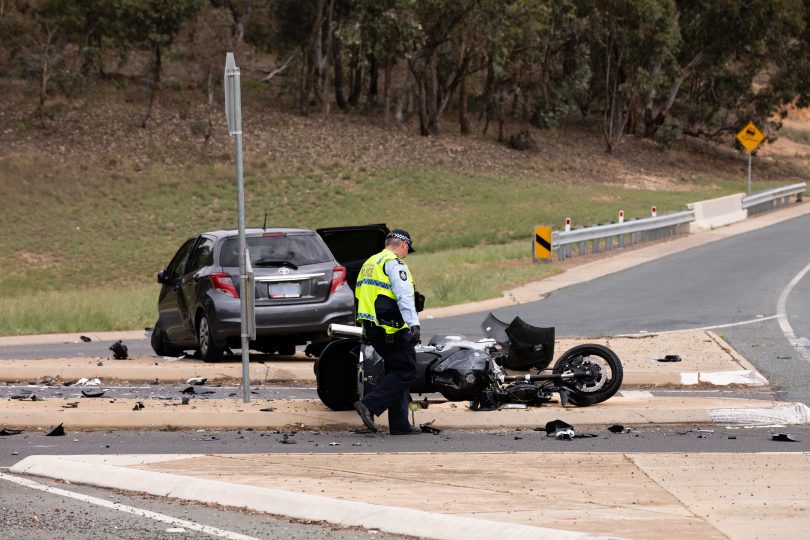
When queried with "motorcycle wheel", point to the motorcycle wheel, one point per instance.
{"points": [[605, 374], [336, 374]]}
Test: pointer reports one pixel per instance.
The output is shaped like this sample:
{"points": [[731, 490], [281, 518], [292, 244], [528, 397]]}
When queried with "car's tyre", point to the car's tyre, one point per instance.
{"points": [[160, 341], [206, 348], [286, 348], [602, 378]]}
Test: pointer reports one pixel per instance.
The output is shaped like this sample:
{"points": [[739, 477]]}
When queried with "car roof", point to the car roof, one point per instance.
{"points": [[224, 233]]}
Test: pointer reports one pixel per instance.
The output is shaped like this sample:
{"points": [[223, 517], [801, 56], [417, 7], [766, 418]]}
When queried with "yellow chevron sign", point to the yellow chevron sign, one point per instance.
{"points": [[750, 137], [542, 243]]}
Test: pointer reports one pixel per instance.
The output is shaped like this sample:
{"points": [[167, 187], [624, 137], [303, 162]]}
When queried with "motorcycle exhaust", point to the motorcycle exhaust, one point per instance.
{"points": [[345, 330]]}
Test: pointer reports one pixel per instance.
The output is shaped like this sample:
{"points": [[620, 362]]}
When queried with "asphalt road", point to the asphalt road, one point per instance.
{"points": [[733, 285]]}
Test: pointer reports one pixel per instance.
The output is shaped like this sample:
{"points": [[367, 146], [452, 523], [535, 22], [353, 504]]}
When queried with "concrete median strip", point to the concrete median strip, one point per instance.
{"points": [[290, 504], [705, 358], [548, 495]]}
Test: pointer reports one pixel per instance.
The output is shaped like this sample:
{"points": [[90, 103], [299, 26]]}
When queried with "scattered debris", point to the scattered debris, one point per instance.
{"points": [[514, 406], [563, 431], [618, 428], [334, 444], [427, 427], [46, 382], [71, 405], [95, 393], [24, 396], [287, 440], [670, 358], [155, 382], [696, 431], [58, 431], [119, 350], [267, 409], [357, 444], [5, 432], [554, 426], [84, 381], [188, 390], [184, 401], [785, 437], [197, 380], [138, 406], [85, 339]]}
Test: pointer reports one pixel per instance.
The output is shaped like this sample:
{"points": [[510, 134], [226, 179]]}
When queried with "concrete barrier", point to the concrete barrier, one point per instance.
{"points": [[717, 212]]}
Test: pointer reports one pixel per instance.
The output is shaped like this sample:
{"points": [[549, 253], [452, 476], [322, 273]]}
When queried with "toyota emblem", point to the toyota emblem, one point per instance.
{"points": [[284, 270]]}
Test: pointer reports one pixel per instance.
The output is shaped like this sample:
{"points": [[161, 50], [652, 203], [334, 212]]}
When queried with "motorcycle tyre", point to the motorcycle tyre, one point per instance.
{"points": [[583, 399]]}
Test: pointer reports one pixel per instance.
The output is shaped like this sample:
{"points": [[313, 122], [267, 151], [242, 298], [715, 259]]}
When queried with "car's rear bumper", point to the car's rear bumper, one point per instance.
{"points": [[303, 321]]}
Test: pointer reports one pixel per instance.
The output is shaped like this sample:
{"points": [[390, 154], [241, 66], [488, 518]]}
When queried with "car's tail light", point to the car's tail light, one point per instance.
{"points": [[223, 283], [338, 277]]}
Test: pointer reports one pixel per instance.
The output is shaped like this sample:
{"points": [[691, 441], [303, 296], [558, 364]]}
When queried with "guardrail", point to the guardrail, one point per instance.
{"points": [[601, 236], [772, 198]]}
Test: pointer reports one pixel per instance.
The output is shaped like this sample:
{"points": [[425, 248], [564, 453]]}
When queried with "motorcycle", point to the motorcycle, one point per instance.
{"points": [[476, 371]]}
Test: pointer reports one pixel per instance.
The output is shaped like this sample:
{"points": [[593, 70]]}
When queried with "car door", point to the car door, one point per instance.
{"points": [[171, 302], [191, 284], [353, 245]]}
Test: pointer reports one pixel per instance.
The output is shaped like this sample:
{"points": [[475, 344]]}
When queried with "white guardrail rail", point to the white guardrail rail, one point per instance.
{"points": [[772, 198], [602, 237]]}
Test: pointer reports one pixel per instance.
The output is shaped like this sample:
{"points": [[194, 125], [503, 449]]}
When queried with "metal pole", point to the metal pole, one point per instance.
{"points": [[243, 298], [233, 112], [749, 173]]}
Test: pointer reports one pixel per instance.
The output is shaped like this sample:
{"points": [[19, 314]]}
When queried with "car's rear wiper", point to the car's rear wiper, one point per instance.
{"points": [[271, 262]]}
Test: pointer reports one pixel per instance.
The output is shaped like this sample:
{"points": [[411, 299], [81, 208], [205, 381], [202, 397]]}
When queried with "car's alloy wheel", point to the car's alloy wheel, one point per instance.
{"points": [[205, 343]]}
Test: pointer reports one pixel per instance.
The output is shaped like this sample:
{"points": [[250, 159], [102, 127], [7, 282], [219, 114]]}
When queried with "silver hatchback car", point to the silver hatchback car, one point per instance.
{"points": [[304, 283]]}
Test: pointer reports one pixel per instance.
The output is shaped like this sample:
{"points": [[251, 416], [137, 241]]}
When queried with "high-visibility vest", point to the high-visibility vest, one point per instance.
{"points": [[373, 282]]}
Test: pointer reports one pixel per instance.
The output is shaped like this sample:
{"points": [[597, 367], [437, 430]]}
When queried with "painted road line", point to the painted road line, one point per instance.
{"points": [[712, 327], [781, 312], [744, 377], [190, 525]]}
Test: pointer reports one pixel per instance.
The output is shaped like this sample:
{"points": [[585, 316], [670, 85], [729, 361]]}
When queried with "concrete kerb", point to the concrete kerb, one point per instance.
{"points": [[632, 408], [277, 502]]}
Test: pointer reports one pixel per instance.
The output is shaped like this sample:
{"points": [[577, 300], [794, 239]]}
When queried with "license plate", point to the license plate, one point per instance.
{"points": [[284, 290]]}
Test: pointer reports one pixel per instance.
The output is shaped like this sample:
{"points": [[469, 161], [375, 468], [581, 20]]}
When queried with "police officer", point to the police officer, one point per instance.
{"points": [[386, 308]]}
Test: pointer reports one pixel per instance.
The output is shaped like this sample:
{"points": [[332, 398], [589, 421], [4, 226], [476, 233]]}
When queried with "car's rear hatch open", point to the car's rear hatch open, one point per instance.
{"points": [[351, 246]]}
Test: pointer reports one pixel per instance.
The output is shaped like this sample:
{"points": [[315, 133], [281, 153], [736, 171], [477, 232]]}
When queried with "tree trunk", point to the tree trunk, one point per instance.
{"points": [[153, 89], [402, 98], [209, 128], [337, 46], [241, 18], [357, 78], [463, 120], [323, 73], [432, 95], [387, 91], [373, 76]]}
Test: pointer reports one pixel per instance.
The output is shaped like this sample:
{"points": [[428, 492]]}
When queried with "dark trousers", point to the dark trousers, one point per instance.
{"points": [[392, 392]]}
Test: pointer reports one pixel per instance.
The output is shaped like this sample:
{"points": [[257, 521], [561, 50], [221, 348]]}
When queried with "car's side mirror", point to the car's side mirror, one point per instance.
{"points": [[161, 277]]}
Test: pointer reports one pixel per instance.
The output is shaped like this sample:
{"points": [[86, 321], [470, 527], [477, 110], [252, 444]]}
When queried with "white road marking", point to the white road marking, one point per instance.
{"points": [[713, 327], [128, 509], [781, 313]]}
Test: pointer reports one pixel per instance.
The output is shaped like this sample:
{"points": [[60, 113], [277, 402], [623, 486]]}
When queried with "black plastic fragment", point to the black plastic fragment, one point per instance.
{"points": [[617, 428], [5, 432], [138, 406], [85, 339], [785, 437], [119, 350], [188, 390], [93, 393], [670, 358], [71, 405], [58, 431], [184, 401], [267, 409], [287, 440], [554, 426], [427, 427]]}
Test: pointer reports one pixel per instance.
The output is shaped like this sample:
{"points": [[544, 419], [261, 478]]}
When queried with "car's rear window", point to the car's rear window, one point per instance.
{"points": [[297, 249]]}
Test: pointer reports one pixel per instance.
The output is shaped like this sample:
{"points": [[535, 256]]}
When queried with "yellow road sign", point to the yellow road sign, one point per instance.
{"points": [[542, 243], [750, 137]]}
